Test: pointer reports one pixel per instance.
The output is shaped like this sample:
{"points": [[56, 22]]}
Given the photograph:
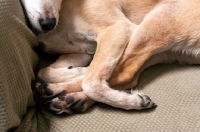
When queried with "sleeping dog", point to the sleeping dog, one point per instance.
{"points": [[125, 37]]}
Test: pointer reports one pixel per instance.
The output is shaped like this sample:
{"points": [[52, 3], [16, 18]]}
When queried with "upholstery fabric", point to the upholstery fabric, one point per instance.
{"points": [[17, 61], [175, 88]]}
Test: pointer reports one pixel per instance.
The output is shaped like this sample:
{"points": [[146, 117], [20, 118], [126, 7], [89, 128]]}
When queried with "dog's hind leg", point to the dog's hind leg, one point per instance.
{"points": [[70, 103], [166, 57], [163, 57], [161, 31]]}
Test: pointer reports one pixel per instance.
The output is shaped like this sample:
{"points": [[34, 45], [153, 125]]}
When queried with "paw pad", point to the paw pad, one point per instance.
{"points": [[68, 103]]}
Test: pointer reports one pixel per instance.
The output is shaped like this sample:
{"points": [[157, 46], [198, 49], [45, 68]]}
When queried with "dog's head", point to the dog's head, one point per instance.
{"points": [[42, 14]]}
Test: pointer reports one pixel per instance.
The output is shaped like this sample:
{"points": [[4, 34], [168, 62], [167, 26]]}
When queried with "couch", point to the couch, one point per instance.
{"points": [[175, 88]]}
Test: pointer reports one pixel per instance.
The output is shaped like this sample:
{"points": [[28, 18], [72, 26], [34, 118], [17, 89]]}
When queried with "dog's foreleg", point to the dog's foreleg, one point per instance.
{"points": [[110, 47], [66, 68], [152, 36], [67, 97], [63, 81]]}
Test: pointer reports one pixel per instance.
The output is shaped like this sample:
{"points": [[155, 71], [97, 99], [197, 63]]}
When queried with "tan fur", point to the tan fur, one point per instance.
{"points": [[126, 36]]}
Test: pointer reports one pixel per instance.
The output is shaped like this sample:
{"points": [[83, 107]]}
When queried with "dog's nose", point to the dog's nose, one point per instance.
{"points": [[47, 24]]}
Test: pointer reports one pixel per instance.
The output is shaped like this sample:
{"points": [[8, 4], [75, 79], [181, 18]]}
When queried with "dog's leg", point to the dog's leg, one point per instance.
{"points": [[166, 57], [161, 30], [113, 41], [71, 88], [67, 97], [48, 90], [64, 78], [67, 67], [150, 37], [73, 84]]}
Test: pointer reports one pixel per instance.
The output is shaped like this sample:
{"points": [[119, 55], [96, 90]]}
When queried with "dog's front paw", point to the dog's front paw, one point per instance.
{"points": [[70, 103], [139, 101], [146, 102]]}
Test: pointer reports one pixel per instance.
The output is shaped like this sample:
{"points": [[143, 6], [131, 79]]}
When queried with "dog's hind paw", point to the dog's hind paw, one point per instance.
{"points": [[61, 100], [70, 103]]}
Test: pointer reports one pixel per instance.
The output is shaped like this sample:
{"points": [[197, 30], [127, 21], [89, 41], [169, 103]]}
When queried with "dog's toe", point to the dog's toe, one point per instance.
{"points": [[43, 88], [78, 106], [146, 102], [70, 103], [128, 91], [138, 101]]}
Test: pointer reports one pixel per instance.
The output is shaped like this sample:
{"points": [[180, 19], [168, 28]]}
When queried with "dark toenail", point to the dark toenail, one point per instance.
{"points": [[147, 97], [43, 85], [33, 84], [78, 106], [154, 105], [48, 103], [48, 92], [61, 96], [70, 67], [145, 105], [69, 99], [38, 91], [141, 97], [128, 91], [57, 106]]}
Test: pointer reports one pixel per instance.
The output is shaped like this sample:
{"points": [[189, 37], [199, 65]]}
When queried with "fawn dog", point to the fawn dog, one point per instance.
{"points": [[125, 37]]}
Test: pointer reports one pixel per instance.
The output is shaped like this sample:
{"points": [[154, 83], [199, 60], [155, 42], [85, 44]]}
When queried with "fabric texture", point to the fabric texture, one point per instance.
{"points": [[17, 61], [175, 88]]}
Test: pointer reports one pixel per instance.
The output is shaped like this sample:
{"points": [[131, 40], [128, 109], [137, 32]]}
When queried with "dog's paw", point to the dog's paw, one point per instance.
{"points": [[70, 103], [45, 90], [61, 100], [139, 101], [146, 102]]}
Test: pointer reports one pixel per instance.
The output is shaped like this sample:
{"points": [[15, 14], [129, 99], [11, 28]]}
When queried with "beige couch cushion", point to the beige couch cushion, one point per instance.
{"points": [[17, 61]]}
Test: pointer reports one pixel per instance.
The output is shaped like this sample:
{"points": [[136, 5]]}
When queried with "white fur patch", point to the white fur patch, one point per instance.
{"points": [[36, 9]]}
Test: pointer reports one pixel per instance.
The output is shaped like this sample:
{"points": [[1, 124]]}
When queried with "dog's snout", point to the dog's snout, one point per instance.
{"points": [[47, 24]]}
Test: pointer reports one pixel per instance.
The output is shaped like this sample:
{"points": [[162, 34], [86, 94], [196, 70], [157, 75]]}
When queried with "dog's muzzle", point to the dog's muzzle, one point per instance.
{"points": [[47, 24]]}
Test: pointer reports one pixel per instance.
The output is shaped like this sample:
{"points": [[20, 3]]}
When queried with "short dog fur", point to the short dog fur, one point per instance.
{"points": [[125, 36]]}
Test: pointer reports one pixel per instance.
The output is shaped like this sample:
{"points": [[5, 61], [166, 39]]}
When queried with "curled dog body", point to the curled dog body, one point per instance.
{"points": [[125, 36]]}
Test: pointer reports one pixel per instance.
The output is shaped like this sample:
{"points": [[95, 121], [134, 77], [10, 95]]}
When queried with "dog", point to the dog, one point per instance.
{"points": [[42, 14], [125, 38]]}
